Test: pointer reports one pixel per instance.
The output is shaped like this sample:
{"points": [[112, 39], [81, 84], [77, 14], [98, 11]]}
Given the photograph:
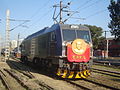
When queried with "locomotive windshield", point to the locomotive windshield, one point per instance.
{"points": [[69, 35]]}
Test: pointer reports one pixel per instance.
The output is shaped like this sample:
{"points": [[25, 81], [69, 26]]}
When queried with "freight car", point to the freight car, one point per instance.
{"points": [[66, 48]]}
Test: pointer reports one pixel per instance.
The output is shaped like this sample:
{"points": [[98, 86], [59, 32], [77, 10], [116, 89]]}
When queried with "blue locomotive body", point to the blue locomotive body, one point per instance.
{"points": [[49, 47]]}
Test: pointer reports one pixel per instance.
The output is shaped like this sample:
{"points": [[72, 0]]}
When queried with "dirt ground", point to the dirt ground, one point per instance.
{"points": [[54, 83], [59, 84]]}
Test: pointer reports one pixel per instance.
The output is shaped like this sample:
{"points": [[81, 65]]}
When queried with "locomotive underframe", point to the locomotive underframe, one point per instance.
{"points": [[74, 70], [62, 66]]}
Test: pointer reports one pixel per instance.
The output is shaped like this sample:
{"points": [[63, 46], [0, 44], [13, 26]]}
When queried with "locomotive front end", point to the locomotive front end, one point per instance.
{"points": [[77, 47], [78, 51]]}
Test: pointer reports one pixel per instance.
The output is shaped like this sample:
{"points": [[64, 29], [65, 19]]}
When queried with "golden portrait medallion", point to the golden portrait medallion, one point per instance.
{"points": [[79, 46]]}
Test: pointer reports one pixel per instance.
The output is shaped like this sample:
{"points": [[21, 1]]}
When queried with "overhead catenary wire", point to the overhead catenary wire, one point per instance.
{"points": [[34, 24], [37, 12], [96, 13], [42, 7], [38, 20], [1, 22], [18, 20], [19, 25], [83, 6], [96, 2], [85, 3], [93, 3]]}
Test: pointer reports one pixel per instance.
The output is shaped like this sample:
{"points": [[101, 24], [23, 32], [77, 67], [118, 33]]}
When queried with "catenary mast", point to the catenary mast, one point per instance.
{"points": [[7, 37]]}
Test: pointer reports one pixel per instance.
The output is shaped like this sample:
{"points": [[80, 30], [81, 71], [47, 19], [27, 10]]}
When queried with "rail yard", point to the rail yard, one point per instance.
{"points": [[15, 74], [62, 55]]}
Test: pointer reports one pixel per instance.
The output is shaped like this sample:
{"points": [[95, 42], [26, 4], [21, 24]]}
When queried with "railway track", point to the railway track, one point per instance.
{"points": [[108, 64], [106, 72], [114, 72], [87, 84], [28, 84], [96, 82], [77, 85], [101, 85], [3, 78], [25, 72], [17, 78], [45, 86]]}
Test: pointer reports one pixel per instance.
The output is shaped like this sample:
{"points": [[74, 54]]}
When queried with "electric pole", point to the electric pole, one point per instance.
{"points": [[63, 9], [61, 12], [0, 45], [7, 37], [106, 47], [18, 43]]}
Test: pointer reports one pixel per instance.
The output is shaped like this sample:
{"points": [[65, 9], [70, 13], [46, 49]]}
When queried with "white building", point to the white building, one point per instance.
{"points": [[14, 44]]}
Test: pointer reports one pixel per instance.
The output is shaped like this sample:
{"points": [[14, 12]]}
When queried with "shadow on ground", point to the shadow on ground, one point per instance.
{"points": [[29, 67]]}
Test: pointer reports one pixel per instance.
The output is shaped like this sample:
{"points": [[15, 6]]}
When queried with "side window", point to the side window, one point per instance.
{"points": [[53, 36]]}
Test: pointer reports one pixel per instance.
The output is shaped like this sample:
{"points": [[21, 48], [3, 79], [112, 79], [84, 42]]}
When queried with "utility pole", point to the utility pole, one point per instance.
{"points": [[63, 8], [7, 38], [18, 43], [61, 12], [106, 46], [18, 49], [0, 45]]}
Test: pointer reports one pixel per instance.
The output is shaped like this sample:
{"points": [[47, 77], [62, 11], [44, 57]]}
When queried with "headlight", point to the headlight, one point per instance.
{"points": [[63, 44]]}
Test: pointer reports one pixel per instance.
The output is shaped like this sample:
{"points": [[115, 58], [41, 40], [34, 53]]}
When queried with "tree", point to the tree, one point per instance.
{"points": [[96, 33], [114, 25]]}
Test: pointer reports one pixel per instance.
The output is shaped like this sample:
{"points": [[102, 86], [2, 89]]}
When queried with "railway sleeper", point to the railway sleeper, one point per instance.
{"points": [[3, 78], [24, 82]]}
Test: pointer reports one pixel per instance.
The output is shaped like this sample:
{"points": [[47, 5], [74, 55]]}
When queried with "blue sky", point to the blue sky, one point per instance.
{"points": [[40, 13]]}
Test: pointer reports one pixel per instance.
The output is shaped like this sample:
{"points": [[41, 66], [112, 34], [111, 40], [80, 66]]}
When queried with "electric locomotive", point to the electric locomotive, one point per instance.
{"points": [[66, 48]]}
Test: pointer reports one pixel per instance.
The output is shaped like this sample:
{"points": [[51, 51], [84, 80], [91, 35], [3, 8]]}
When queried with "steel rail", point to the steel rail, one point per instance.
{"points": [[106, 71], [102, 85], [3, 78], [27, 73], [18, 79], [79, 86]]}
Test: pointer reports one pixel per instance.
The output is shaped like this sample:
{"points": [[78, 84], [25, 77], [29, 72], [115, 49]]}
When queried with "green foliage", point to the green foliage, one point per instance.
{"points": [[96, 34], [114, 25]]}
